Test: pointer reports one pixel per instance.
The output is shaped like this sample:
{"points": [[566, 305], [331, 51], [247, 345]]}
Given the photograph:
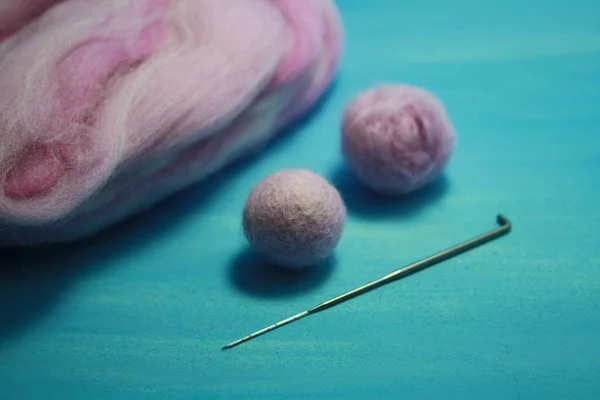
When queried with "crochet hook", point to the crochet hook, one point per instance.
{"points": [[503, 228]]}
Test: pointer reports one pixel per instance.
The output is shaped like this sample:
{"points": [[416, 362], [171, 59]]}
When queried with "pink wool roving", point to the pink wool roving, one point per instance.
{"points": [[294, 217], [397, 138], [107, 107], [16, 13]]}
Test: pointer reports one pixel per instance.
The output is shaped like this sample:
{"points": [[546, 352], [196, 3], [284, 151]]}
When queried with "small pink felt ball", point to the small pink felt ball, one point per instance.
{"points": [[294, 218], [396, 138]]}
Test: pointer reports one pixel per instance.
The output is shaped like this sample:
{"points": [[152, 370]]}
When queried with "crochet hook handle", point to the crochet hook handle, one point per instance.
{"points": [[420, 265]]}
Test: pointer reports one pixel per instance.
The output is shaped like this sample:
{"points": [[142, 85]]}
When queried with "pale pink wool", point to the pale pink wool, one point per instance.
{"points": [[107, 107], [397, 138], [294, 218], [16, 13]]}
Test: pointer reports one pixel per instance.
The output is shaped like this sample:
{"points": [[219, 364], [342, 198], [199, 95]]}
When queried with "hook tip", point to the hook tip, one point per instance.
{"points": [[503, 221]]}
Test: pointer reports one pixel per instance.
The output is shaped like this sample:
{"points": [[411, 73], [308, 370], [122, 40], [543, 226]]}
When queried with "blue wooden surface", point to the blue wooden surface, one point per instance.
{"points": [[141, 312]]}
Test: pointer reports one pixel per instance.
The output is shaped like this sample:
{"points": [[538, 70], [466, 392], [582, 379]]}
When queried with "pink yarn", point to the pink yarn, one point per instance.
{"points": [[107, 107], [397, 138]]}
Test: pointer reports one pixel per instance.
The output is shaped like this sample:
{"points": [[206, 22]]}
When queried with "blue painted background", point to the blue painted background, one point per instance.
{"points": [[141, 311]]}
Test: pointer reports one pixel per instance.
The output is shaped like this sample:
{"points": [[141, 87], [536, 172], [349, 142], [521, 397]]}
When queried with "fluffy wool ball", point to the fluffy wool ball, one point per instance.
{"points": [[294, 217], [397, 138]]}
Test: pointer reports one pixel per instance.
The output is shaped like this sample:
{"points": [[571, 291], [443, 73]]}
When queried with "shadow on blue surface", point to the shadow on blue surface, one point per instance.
{"points": [[254, 276], [34, 280], [364, 202]]}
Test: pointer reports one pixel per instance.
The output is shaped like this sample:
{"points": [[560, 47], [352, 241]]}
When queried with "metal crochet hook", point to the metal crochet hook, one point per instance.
{"points": [[503, 229]]}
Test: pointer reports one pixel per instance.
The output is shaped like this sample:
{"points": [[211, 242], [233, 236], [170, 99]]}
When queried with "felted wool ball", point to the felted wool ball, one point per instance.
{"points": [[294, 217], [397, 138]]}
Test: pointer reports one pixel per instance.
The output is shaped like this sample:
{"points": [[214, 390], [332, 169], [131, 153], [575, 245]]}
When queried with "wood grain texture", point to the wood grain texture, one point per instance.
{"points": [[141, 311]]}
